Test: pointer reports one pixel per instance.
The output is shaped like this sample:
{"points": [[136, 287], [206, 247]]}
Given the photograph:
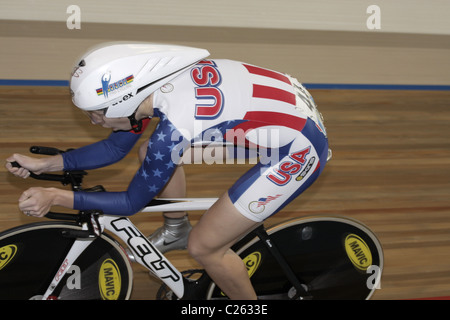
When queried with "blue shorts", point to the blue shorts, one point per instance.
{"points": [[282, 176]]}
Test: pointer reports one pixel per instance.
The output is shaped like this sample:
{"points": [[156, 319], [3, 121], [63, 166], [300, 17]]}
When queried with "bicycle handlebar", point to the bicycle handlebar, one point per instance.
{"points": [[74, 178], [45, 150], [68, 177], [44, 176]]}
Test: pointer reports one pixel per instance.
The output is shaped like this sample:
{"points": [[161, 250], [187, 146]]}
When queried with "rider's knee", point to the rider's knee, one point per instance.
{"points": [[193, 247], [197, 249]]}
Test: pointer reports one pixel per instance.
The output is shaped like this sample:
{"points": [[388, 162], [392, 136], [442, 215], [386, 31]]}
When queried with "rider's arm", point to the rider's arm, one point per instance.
{"points": [[102, 153], [159, 165]]}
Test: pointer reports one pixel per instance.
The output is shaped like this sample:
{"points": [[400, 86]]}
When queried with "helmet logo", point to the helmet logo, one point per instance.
{"points": [[105, 83], [112, 88]]}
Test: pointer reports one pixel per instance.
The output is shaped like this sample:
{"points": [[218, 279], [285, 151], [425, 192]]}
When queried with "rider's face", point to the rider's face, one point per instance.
{"points": [[144, 110], [98, 117]]}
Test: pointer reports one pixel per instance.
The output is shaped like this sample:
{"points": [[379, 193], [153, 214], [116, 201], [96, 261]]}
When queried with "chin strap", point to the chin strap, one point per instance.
{"points": [[136, 125]]}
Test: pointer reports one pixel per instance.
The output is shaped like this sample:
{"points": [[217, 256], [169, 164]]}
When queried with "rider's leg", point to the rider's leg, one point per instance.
{"points": [[174, 233], [210, 241], [258, 194]]}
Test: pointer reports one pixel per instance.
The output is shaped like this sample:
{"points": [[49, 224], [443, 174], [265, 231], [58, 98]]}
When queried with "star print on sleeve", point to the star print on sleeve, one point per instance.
{"points": [[158, 156], [163, 152]]}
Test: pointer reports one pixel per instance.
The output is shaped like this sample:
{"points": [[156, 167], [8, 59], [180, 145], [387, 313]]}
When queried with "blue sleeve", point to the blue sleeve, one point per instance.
{"points": [[163, 152], [102, 153]]}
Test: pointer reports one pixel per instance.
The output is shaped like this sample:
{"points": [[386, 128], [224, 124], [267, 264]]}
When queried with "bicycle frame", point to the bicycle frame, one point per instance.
{"points": [[144, 251], [146, 254]]}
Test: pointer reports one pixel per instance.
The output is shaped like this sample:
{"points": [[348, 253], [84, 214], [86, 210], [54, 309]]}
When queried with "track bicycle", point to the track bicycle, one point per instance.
{"points": [[75, 257]]}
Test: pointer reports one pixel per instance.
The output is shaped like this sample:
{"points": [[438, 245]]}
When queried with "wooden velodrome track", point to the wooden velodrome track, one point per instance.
{"points": [[390, 170]]}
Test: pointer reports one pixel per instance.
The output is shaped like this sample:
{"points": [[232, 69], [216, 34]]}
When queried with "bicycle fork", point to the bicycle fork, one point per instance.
{"points": [[75, 251], [77, 248], [91, 228]]}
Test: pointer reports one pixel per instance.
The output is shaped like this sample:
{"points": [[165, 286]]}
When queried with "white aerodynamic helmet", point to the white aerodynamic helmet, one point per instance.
{"points": [[117, 77]]}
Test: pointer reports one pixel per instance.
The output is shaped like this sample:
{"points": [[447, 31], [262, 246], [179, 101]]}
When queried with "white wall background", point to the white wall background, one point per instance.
{"points": [[320, 41], [405, 16]]}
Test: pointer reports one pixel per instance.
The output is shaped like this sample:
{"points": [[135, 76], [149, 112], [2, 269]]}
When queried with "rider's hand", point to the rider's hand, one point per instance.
{"points": [[37, 202], [27, 164]]}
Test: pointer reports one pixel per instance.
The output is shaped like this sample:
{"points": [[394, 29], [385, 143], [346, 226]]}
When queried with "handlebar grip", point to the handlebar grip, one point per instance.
{"points": [[49, 177], [45, 150], [74, 177], [17, 165]]}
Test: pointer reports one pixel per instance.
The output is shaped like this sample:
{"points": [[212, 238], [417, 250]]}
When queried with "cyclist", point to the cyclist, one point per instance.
{"points": [[198, 102]]}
